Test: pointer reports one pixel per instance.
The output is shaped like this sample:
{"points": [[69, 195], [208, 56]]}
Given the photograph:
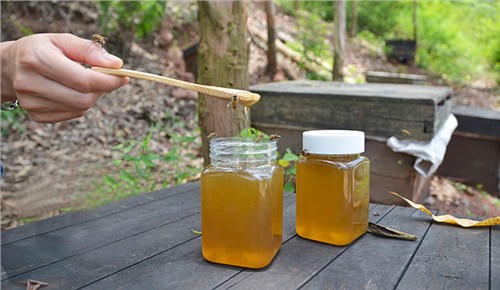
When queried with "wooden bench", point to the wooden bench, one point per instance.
{"points": [[146, 242]]}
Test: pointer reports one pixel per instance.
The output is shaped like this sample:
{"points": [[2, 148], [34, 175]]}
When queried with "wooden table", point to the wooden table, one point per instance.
{"points": [[146, 242]]}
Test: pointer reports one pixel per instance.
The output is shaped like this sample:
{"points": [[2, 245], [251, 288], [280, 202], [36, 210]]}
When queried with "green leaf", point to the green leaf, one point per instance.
{"points": [[130, 146], [195, 232], [283, 163], [147, 139], [290, 157], [129, 158], [291, 171], [149, 163], [127, 176], [119, 146], [109, 179], [289, 187]]}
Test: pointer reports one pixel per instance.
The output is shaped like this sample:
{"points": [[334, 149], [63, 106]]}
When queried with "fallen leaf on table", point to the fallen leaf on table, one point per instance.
{"points": [[389, 233], [449, 219], [195, 232]]}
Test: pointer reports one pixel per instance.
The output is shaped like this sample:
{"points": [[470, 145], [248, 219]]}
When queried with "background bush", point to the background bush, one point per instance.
{"points": [[457, 40]]}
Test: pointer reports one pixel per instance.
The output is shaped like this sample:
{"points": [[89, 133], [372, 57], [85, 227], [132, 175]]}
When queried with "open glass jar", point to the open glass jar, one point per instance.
{"points": [[333, 186], [242, 203]]}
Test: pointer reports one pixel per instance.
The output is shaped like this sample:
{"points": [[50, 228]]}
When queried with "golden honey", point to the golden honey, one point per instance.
{"points": [[332, 190], [242, 206]]}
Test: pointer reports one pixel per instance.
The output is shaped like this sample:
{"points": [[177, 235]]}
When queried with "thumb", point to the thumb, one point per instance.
{"points": [[85, 51]]}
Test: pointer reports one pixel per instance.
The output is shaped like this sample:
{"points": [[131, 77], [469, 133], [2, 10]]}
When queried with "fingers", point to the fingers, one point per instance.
{"points": [[53, 117], [45, 73], [38, 93], [75, 76], [58, 57], [85, 51]]}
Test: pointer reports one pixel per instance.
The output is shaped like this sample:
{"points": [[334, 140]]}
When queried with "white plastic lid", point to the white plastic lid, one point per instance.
{"points": [[333, 141]]}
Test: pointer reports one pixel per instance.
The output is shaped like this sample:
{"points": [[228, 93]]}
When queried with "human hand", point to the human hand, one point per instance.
{"points": [[45, 74]]}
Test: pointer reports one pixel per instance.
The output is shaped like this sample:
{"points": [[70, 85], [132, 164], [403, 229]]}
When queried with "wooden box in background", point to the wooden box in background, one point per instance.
{"points": [[380, 110], [473, 155]]}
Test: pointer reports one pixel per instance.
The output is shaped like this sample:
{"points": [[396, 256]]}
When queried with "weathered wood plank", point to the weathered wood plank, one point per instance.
{"points": [[375, 262], [44, 249], [184, 266], [450, 257], [473, 161], [478, 121], [378, 109], [96, 264], [181, 268], [72, 219], [299, 260], [495, 257], [85, 268], [396, 78], [417, 94]]}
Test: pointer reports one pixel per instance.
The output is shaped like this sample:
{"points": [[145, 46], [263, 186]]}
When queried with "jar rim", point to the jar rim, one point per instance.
{"points": [[242, 150], [241, 140]]}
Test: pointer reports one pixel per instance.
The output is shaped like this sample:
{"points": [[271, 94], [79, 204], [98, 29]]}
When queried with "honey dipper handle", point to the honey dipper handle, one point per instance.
{"points": [[245, 97]]}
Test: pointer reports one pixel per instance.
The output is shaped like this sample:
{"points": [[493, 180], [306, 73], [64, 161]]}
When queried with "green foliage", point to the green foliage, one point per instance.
{"points": [[323, 9], [13, 121], [314, 45], [25, 30], [139, 16], [457, 40], [139, 169], [252, 133], [383, 18], [287, 162]]}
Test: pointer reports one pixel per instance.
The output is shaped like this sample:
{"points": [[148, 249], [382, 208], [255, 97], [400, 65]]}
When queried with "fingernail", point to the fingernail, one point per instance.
{"points": [[113, 58]]}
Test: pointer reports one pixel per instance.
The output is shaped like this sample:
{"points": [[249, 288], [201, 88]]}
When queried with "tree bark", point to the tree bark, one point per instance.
{"points": [[223, 56], [271, 38], [354, 18], [339, 40], [415, 7]]}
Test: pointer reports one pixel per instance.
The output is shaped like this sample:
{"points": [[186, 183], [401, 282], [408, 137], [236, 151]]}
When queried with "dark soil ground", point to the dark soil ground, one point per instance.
{"points": [[48, 167]]}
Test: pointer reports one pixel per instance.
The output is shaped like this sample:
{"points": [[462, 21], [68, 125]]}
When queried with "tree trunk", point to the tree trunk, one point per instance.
{"points": [[222, 61], [354, 18], [415, 7], [271, 39], [339, 40]]}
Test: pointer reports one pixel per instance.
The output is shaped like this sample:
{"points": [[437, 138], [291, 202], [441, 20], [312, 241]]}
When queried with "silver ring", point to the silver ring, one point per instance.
{"points": [[9, 106]]}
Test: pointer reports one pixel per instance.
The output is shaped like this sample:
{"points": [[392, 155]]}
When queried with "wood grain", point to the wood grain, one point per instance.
{"points": [[298, 261], [151, 246], [17, 258], [74, 218], [382, 110], [450, 257], [376, 262]]}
